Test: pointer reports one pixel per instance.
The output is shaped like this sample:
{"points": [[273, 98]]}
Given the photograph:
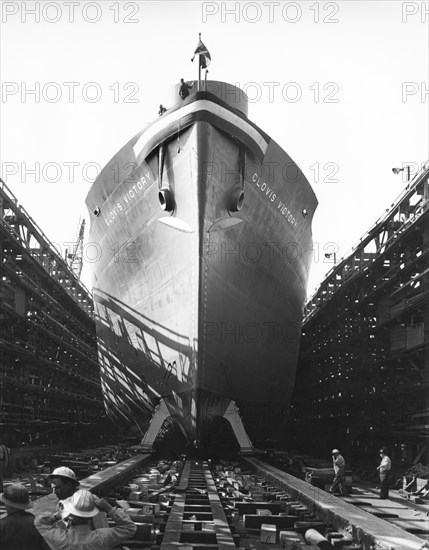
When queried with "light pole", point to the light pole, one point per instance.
{"points": [[404, 169], [330, 255]]}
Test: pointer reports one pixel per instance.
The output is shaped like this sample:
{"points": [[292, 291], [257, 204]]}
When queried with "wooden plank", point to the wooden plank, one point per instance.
{"points": [[111, 475], [251, 507], [173, 528], [222, 530], [412, 525], [253, 521]]}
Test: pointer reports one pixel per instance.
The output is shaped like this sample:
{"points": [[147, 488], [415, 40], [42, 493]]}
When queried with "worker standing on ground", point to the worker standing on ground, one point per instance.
{"points": [[65, 484], [78, 534], [4, 461], [339, 464], [384, 473], [17, 530]]}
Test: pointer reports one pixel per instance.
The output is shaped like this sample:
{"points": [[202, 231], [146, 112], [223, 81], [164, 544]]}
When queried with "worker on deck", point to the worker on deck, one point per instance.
{"points": [[17, 530], [339, 464], [384, 473], [161, 110], [184, 89], [77, 514]]}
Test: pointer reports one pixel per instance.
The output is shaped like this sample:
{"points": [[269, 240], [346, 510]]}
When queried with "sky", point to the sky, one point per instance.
{"points": [[341, 86]]}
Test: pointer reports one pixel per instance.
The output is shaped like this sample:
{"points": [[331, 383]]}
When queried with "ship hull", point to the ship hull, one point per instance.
{"points": [[201, 306]]}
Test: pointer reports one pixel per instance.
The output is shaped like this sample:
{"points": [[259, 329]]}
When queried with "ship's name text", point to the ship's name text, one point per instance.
{"points": [[127, 199], [271, 196]]}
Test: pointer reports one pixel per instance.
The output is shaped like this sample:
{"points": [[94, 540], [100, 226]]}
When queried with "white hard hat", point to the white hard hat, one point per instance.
{"points": [[63, 471], [81, 504], [335, 452]]}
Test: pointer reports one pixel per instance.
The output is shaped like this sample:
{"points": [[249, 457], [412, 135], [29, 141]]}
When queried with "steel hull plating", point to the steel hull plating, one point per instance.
{"points": [[201, 305]]}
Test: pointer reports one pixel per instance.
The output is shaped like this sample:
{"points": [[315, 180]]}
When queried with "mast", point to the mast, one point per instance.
{"points": [[199, 63]]}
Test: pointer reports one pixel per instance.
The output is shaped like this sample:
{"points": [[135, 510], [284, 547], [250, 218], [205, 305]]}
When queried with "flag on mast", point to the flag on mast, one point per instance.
{"points": [[202, 51]]}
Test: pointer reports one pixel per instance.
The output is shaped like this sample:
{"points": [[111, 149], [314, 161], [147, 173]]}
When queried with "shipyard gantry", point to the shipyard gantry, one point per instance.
{"points": [[49, 371], [363, 373]]}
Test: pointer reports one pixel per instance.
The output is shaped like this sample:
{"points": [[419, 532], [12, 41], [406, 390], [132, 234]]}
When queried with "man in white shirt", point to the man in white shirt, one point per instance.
{"points": [[384, 472]]}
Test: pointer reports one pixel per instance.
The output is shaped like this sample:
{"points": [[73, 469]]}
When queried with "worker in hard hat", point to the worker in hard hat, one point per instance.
{"points": [[339, 464], [384, 472], [64, 484], [17, 529], [78, 512]]}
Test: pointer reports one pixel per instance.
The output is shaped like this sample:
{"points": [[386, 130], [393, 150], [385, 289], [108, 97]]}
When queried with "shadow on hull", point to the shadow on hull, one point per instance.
{"points": [[199, 308]]}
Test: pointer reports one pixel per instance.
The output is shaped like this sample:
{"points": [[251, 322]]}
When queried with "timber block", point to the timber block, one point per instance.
{"points": [[268, 533]]}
